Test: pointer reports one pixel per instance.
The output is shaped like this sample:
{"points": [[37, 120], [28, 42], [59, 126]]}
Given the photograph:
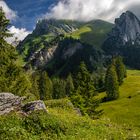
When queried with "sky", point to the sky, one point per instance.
{"points": [[23, 14]]}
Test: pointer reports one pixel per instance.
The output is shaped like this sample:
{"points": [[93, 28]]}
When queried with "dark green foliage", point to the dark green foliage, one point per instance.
{"points": [[84, 96], [3, 26], [12, 77], [120, 69], [111, 82], [101, 84], [45, 86], [85, 53], [59, 88], [42, 86], [131, 55], [35, 77], [69, 85]]}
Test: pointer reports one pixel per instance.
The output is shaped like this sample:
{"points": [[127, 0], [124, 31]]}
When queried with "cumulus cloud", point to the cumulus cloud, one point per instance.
{"points": [[10, 14], [18, 34], [86, 10]]}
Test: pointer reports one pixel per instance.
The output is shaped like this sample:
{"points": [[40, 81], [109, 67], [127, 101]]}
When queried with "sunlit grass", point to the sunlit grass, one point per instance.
{"points": [[126, 110]]}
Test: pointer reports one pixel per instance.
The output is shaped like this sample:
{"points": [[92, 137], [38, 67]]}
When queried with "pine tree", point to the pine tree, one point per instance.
{"points": [[45, 86], [69, 85], [59, 88], [35, 84], [120, 69], [82, 75], [84, 88], [111, 82], [12, 77], [3, 26]]}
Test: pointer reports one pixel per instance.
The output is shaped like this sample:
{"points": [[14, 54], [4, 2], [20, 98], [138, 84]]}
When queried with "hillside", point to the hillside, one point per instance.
{"points": [[120, 119], [126, 110], [94, 32], [54, 44]]}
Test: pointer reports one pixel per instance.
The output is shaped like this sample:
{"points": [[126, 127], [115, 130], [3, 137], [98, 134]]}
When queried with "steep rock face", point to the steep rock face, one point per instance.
{"points": [[126, 30], [55, 27], [43, 56], [127, 27]]}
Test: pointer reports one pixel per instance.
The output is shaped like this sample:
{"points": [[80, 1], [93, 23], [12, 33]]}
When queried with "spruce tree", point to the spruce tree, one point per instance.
{"points": [[82, 75], [3, 26], [111, 82], [120, 69], [59, 88], [45, 86], [69, 85], [35, 77], [84, 88], [12, 77]]}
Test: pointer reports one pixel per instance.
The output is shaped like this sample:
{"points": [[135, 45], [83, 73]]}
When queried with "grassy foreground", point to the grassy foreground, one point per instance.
{"points": [[126, 110], [119, 122]]}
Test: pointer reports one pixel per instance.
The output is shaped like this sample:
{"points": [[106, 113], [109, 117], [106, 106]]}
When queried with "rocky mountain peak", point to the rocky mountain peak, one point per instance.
{"points": [[55, 27], [127, 27]]}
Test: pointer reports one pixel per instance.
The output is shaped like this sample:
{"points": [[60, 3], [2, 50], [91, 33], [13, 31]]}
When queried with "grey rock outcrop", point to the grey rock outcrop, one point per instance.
{"points": [[55, 27], [43, 56], [9, 102], [126, 31], [127, 27], [33, 106]]}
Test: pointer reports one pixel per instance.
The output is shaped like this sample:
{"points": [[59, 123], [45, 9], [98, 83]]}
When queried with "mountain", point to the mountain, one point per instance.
{"points": [[126, 29], [54, 44], [124, 39], [93, 32]]}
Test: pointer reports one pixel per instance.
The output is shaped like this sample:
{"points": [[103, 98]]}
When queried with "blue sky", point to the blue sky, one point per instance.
{"points": [[24, 14], [28, 11]]}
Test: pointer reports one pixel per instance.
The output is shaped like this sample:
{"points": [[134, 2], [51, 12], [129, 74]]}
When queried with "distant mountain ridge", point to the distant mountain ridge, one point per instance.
{"points": [[54, 44], [56, 27], [60, 40]]}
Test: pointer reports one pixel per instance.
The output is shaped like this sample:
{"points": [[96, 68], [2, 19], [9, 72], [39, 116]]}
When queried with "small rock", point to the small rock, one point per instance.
{"points": [[33, 106], [78, 112]]}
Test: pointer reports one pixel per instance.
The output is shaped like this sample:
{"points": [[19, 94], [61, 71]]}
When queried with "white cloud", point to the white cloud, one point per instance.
{"points": [[18, 34], [86, 10], [10, 14]]}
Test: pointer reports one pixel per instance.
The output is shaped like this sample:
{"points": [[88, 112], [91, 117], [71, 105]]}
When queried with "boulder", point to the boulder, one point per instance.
{"points": [[33, 106], [9, 102]]}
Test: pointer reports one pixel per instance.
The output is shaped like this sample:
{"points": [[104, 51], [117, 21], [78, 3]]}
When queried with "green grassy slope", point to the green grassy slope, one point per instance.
{"points": [[93, 32], [62, 123], [126, 110]]}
